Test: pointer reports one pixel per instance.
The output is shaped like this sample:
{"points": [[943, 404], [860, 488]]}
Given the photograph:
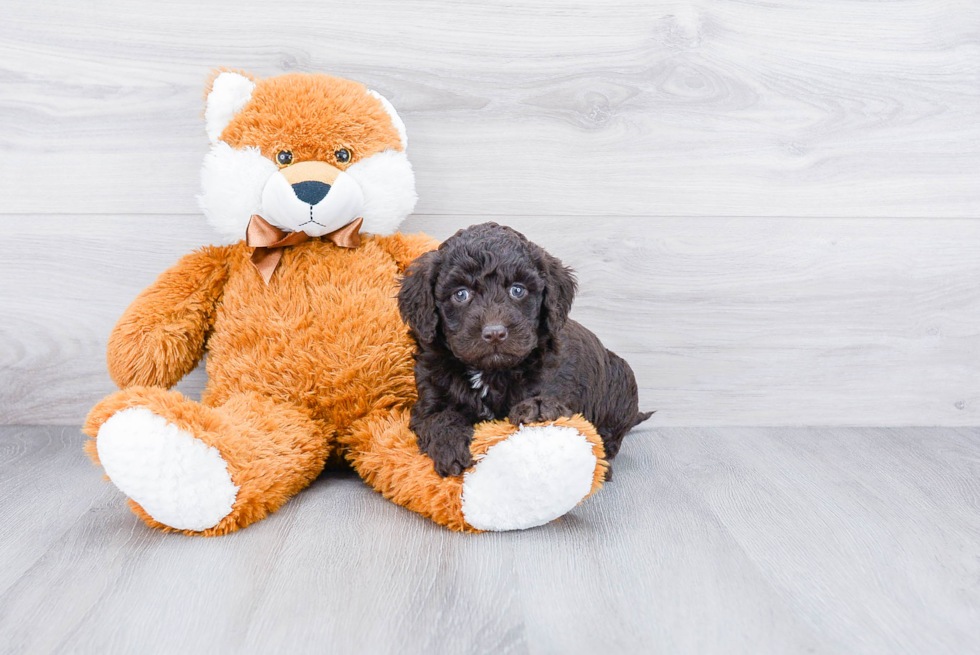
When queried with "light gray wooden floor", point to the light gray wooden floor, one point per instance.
{"points": [[710, 540]]}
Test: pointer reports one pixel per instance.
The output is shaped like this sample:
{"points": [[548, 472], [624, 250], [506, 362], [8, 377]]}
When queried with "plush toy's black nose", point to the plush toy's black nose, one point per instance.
{"points": [[494, 333], [311, 191]]}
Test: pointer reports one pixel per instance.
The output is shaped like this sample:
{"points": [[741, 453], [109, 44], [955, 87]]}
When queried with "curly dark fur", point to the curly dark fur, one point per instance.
{"points": [[487, 351]]}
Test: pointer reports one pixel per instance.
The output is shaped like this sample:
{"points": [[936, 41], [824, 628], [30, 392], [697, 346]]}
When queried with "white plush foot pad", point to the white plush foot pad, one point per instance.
{"points": [[179, 480], [531, 478]]}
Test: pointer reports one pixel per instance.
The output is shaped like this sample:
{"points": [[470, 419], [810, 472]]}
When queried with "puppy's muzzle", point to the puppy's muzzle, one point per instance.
{"points": [[312, 197], [494, 334]]}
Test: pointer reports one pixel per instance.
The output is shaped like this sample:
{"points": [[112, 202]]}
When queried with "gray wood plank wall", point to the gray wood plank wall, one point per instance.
{"points": [[773, 206]]}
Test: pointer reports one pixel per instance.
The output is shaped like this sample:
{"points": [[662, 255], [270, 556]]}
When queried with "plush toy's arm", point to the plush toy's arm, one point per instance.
{"points": [[160, 337], [404, 248]]}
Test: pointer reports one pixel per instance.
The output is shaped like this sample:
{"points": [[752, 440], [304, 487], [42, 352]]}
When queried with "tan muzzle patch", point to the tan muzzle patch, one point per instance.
{"points": [[311, 171]]}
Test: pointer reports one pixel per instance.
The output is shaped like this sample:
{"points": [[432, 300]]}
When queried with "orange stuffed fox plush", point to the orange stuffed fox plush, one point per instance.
{"points": [[308, 358]]}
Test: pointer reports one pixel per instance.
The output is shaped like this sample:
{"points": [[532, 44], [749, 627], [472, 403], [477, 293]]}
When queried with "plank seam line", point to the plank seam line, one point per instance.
{"points": [[487, 215]]}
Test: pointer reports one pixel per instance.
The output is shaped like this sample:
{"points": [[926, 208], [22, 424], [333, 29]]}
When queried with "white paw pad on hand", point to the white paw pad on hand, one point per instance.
{"points": [[177, 479]]}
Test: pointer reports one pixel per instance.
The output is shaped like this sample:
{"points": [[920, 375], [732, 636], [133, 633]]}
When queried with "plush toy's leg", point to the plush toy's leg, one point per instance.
{"points": [[521, 478], [204, 470]]}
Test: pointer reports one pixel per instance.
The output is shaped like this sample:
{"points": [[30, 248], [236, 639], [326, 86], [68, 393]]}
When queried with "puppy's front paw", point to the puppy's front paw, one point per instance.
{"points": [[537, 409], [445, 437], [451, 457]]}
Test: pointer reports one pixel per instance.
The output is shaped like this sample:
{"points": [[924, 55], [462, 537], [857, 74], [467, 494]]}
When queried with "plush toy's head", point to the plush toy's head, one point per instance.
{"points": [[307, 152]]}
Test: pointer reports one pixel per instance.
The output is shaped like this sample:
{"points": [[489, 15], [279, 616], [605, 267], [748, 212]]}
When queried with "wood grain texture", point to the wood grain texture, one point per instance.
{"points": [[662, 108], [710, 540], [725, 321]]}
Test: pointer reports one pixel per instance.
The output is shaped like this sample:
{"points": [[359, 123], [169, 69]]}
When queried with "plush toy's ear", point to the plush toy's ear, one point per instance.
{"points": [[395, 118], [228, 93], [559, 291], [417, 298]]}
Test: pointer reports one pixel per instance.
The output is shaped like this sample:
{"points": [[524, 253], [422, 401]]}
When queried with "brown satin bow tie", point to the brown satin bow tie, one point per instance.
{"points": [[268, 242]]}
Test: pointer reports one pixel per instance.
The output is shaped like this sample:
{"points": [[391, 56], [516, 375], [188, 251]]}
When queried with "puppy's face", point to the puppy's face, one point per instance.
{"points": [[489, 304], [489, 294]]}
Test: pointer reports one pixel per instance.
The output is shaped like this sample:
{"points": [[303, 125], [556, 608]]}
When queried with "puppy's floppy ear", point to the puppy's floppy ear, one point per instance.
{"points": [[559, 291], [417, 298]]}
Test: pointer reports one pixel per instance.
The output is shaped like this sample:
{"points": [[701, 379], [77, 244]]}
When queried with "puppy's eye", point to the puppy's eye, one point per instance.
{"points": [[461, 295], [284, 158], [342, 155], [517, 291]]}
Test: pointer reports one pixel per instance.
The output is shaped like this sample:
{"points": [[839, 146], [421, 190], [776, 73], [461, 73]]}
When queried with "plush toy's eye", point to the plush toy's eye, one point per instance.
{"points": [[517, 291], [461, 295], [285, 158], [342, 155]]}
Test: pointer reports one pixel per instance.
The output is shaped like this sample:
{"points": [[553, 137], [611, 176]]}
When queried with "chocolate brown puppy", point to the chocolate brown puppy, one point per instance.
{"points": [[488, 312]]}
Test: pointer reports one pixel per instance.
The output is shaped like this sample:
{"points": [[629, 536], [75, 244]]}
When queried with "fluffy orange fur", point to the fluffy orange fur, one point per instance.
{"points": [[335, 113], [316, 360], [317, 363], [384, 452]]}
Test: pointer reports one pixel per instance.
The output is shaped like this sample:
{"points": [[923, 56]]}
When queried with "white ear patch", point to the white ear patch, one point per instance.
{"points": [[388, 185], [229, 93], [395, 118], [231, 187]]}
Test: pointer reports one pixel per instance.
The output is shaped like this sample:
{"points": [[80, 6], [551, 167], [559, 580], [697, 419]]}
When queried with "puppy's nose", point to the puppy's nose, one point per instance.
{"points": [[311, 191], [494, 333]]}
